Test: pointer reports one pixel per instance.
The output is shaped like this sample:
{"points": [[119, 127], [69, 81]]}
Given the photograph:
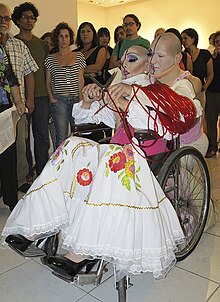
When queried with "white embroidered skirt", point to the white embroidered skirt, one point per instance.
{"points": [[106, 203]]}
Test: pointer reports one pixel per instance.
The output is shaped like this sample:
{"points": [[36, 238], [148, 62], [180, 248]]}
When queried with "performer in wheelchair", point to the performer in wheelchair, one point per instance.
{"points": [[103, 199]]}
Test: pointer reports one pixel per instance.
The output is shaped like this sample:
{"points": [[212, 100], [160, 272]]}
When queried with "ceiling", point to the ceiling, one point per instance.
{"points": [[107, 3]]}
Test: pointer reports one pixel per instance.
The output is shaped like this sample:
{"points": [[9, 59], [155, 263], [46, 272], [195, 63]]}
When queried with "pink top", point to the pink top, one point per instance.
{"points": [[150, 147]]}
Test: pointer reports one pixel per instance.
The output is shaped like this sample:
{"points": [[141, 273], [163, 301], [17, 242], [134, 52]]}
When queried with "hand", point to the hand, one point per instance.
{"points": [[30, 104], [21, 108], [204, 88], [92, 91], [87, 101], [120, 90], [52, 101]]}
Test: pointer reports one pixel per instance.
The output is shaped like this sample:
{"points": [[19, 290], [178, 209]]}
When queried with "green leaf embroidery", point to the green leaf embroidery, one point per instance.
{"points": [[126, 182], [107, 154], [138, 170], [120, 175]]}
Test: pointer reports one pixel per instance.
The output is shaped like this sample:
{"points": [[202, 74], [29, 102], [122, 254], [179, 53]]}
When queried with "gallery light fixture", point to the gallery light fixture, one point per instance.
{"points": [[107, 3]]}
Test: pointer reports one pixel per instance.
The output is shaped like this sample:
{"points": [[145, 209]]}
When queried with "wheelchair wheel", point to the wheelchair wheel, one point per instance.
{"points": [[121, 287], [184, 177]]}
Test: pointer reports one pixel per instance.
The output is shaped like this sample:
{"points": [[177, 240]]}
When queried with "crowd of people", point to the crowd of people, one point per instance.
{"points": [[53, 80]]}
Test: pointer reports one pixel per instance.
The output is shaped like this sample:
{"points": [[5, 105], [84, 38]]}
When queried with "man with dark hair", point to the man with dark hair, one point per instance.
{"points": [[24, 17], [131, 26], [23, 66]]}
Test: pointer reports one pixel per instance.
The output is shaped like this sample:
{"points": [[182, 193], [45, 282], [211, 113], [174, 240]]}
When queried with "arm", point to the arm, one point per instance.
{"points": [[81, 83], [99, 63], [189, 64], [16, 97], [48, 85], [114, 62], [210, 74], [29, 90]]}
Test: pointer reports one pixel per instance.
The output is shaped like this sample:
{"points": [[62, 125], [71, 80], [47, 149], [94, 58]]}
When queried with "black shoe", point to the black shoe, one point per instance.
{"points": [[18, 242], [66, 267], [24, 188], [210, 154]]}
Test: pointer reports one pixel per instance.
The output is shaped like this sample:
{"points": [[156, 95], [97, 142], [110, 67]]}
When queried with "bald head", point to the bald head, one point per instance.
{"points": [[5, 8], [170, 41], [165, 55]]}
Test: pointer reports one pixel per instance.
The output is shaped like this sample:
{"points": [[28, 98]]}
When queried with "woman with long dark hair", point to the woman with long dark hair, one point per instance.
{"points": [[95, 55]]}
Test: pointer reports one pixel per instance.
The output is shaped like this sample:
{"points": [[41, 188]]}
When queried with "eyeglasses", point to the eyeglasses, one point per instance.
{"points": [[31, 18], [128, 24], [5, 19]]}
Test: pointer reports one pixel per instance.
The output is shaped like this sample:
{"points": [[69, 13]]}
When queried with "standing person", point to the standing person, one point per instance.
{"points": [[212, 108], [211, 47], [201, 58], [119, 36], [8, 160], [24, 67], [47, 38], [24, 17], [95, 55], [64, 79], [131, 26], [159, 32], [104, 40]]}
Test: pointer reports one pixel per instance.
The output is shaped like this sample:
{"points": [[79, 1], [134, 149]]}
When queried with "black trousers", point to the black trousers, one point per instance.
{"points": [[212, 110], [8, 172]]}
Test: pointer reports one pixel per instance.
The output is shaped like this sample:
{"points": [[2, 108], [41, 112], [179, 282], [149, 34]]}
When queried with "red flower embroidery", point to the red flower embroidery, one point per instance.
{"points": [[117, 162], [84, 177]]}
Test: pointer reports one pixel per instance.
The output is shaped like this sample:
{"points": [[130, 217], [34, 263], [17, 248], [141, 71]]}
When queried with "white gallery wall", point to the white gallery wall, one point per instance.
{"points": [[51, 12], [201, 15]]}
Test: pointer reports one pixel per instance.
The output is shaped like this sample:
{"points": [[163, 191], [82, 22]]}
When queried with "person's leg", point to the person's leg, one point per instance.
{"points": [[59, 112], [40, 118], [22, 164], [29, 155], [211, 119], [8, 176]]}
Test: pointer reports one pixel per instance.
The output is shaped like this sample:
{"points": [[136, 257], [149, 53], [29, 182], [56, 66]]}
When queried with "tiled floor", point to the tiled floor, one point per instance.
{"points": [[196, 279]]}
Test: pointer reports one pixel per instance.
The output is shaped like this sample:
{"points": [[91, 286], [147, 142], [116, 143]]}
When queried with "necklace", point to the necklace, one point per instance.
{"points": [[85, 51]]}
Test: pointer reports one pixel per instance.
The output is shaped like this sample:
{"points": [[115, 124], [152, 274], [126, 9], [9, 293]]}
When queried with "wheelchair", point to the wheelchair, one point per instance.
{"points": [[183, 176]]}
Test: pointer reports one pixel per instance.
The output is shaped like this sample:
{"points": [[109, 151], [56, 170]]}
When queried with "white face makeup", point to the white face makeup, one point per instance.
{"points": [[161, 57], [134, 61]]}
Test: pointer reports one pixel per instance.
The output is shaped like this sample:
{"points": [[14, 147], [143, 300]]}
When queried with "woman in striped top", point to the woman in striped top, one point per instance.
{"points": [[64, 78]]}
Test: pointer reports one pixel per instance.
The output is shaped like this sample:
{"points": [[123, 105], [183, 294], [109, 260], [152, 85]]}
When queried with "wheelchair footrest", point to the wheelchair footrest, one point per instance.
{"points": [[80, 279]]}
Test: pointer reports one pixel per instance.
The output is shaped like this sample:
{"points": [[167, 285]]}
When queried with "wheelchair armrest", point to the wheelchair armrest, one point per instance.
{"points": [[145, 135], [84, 128]]}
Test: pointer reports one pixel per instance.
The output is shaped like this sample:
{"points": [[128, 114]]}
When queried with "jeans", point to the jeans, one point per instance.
{"points": [[22, 164], [61, 112], [40, 117], [212, 110]]}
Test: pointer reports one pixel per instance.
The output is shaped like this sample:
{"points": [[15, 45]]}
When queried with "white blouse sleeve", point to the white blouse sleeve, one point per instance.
{"points": [[84, 116], [185, 88]]}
